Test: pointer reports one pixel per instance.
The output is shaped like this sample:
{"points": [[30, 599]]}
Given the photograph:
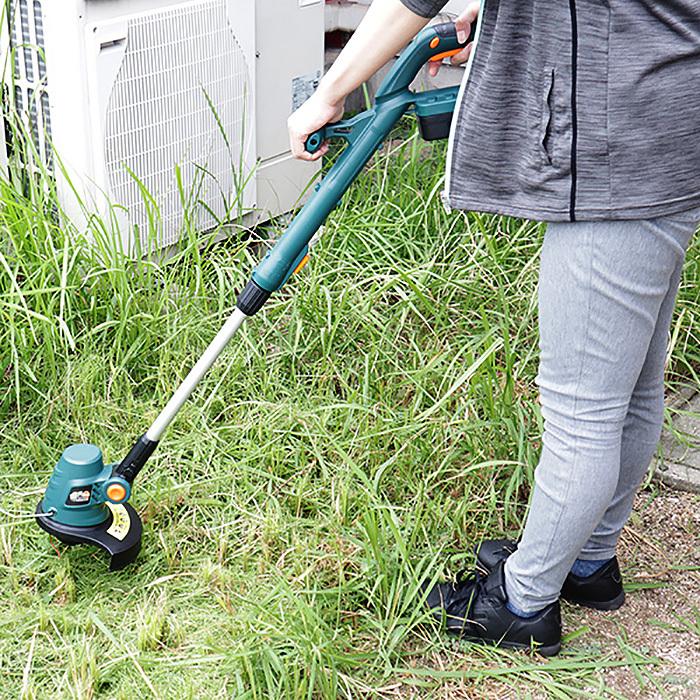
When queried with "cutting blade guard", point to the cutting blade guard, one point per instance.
{"points": [[119, 535]]}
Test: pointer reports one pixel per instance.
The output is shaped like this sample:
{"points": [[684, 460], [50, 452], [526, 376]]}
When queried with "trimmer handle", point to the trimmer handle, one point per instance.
{"points": [[364, 133], [433, 43]]}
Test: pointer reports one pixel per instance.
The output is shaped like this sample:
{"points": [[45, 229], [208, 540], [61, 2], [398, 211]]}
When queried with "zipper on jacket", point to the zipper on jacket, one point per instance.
{"points": [[445, 194], [574, 118]]}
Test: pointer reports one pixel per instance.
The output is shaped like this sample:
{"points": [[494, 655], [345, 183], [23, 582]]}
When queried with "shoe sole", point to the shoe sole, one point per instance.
{"points": [[544, 650], [601, 605]]}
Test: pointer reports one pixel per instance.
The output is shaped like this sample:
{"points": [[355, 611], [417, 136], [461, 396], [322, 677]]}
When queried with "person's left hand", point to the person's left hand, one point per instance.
{"points": [[464, 24]]}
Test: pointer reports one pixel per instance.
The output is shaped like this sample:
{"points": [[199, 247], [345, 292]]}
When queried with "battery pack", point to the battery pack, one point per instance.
{"points": [[435, 126]]}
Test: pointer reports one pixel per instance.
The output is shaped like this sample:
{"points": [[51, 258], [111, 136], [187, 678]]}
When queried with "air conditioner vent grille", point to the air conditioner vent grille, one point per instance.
{"points": [[181, 99], [29, 76]]}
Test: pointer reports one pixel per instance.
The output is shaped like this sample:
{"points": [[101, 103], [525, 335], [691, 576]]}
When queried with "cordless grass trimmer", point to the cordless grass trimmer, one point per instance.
{"points": [[86, 500]]}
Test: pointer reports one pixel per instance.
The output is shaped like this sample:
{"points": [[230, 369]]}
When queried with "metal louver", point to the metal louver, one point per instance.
{"points": [[31, 96], [181, 98]]}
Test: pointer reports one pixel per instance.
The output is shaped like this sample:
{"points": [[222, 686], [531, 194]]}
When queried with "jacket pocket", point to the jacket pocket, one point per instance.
{"points": [[548, 120]]}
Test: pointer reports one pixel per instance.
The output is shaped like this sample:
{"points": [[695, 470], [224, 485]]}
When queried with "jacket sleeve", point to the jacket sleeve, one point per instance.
{"points": [[425, 8]]}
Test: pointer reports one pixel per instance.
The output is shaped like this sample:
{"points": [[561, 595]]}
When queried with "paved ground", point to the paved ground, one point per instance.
{"points": [[655, 634], [680, 463]]}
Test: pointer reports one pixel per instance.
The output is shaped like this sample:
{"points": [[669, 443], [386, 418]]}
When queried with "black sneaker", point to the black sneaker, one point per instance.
{"points": [[602, 590], [475, 609]]}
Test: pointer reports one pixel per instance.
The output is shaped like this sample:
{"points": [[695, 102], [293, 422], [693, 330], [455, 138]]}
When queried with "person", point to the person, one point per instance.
{"points": [[586, 116]]}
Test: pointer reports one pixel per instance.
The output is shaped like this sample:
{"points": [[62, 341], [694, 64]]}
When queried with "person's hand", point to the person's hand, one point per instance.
{"points": [[464, 24], [316, 112]]}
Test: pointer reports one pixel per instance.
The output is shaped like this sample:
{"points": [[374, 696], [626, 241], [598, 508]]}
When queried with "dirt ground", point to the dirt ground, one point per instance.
{"points": [[660, 547], [655, 634]]}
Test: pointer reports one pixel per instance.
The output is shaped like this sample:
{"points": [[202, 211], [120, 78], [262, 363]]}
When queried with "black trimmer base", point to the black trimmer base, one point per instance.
{"points": [[119, 535]]}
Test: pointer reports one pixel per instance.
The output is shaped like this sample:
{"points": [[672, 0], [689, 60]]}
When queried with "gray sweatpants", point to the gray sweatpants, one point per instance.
{"points": [[606, 297]]}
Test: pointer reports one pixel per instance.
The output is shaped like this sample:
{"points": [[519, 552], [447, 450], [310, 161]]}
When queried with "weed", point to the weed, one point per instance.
{"points": [[361, 433]]}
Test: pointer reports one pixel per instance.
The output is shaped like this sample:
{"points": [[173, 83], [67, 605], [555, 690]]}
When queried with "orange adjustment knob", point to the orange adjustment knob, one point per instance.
{"points": [[116, 492], [434, 42]]}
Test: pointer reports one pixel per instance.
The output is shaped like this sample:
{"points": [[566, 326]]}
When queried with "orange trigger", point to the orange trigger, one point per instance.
{"points": [[445, 54]]}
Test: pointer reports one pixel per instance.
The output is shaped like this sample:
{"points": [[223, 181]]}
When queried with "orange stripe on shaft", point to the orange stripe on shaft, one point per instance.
{"points": [[301, 264]]}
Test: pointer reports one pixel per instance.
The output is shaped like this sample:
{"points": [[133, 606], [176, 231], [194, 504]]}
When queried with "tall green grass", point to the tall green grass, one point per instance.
{"points": [[368, 426]]}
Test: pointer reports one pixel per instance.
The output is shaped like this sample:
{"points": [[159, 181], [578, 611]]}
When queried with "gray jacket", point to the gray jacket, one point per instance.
{"points": [[578, 109]]}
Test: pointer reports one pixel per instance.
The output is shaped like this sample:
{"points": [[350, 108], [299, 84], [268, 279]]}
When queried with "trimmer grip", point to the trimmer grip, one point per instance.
{"points": [[447, 31], [446, 42], [432, 43]]}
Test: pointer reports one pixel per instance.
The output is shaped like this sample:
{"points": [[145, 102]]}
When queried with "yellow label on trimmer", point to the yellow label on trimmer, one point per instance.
{"points": [[121, 522]]}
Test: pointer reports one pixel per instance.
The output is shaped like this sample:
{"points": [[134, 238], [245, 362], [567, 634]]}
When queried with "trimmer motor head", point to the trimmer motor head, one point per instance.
{"points": [[85, 503]]}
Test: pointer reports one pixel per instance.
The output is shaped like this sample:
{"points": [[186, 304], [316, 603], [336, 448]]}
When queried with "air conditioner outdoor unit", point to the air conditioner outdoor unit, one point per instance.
{"points": [[150, 111]]}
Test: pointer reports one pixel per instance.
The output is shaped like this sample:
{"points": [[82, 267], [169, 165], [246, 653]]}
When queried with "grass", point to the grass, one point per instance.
{"points": [[377, 418]]}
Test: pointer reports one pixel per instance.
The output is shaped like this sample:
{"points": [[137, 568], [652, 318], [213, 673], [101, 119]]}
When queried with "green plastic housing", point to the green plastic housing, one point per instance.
{"points": [[364, 134], [76, 491]]}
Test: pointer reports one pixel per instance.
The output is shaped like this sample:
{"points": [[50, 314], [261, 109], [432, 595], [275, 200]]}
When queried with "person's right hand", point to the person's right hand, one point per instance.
{"points": [[316, 112], [464, 25]]}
